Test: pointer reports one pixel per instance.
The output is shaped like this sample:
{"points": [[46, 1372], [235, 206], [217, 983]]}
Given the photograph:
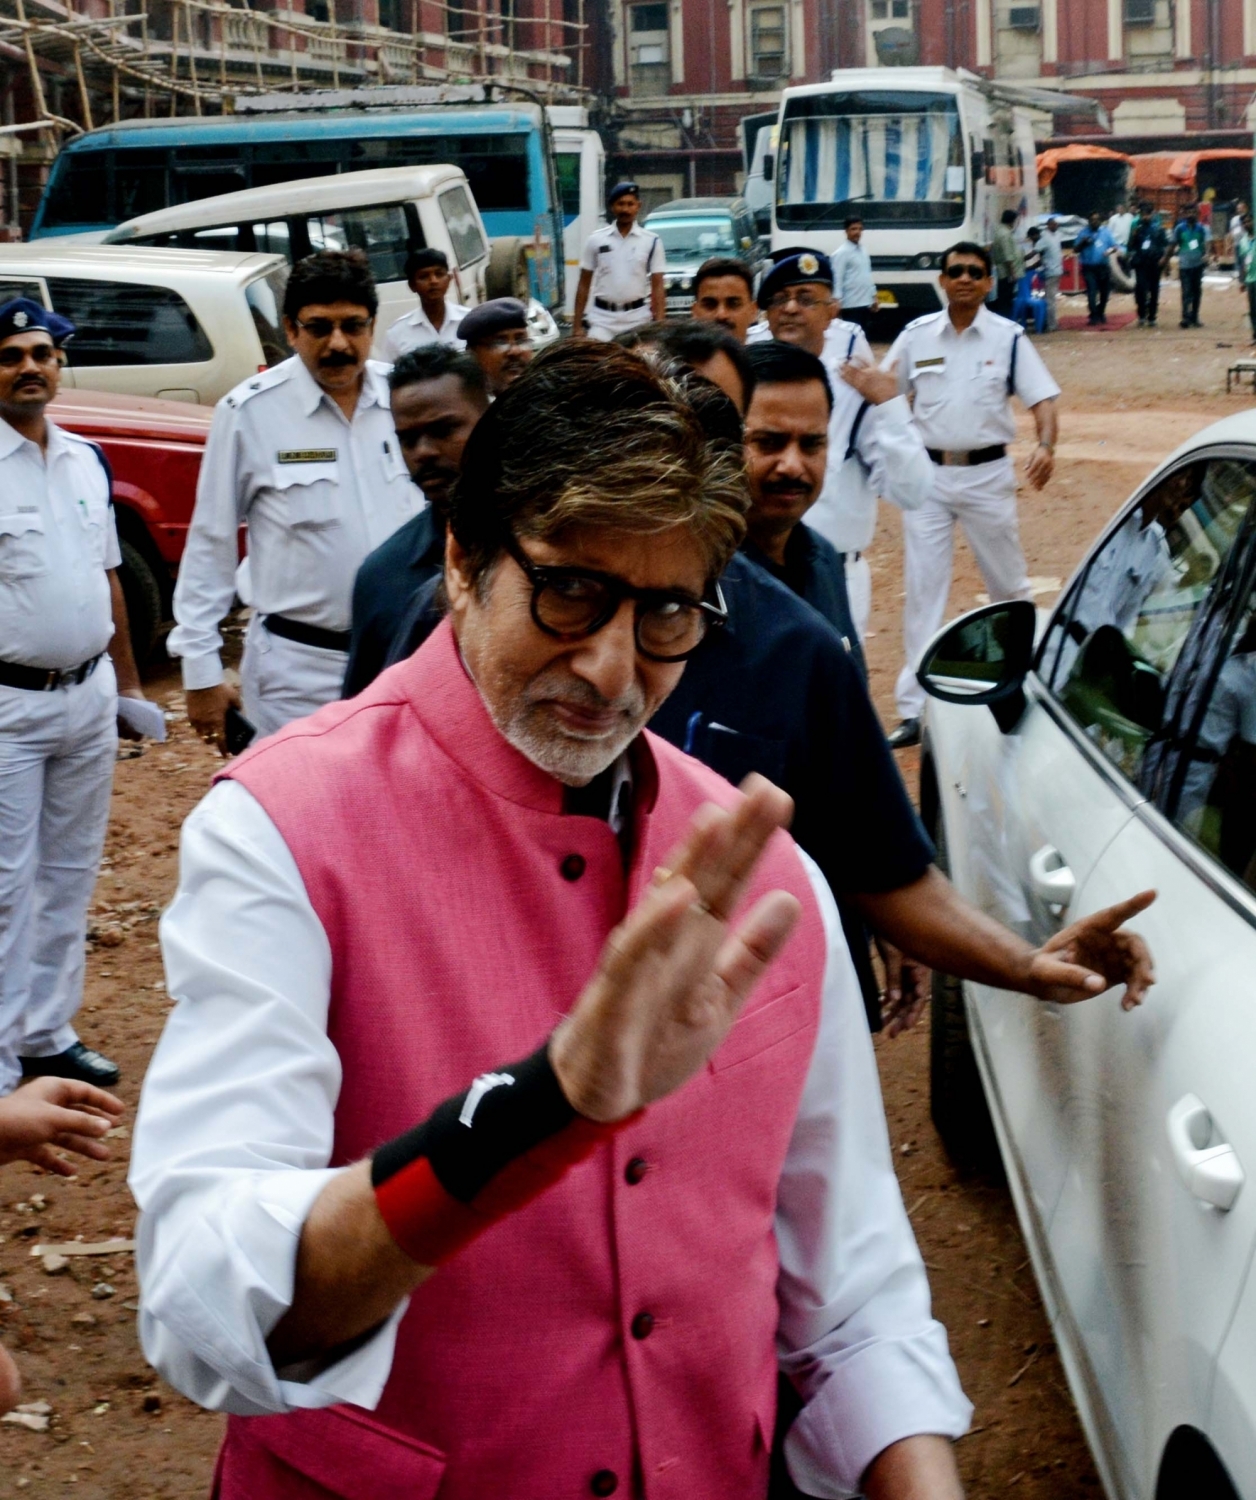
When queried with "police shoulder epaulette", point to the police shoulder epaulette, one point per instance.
{"points": [[923, 319], [264, 380]]}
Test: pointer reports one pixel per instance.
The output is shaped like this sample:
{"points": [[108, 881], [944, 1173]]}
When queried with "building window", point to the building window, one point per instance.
{"points": [[394, 14], [1024, 18], [1140, 12], [649, 50], [768, 53], [891, 10]]}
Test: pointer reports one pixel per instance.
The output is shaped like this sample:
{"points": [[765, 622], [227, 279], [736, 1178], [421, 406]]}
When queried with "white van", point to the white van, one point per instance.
{"points": [[580, 164], [385, 212], [186, 325]]}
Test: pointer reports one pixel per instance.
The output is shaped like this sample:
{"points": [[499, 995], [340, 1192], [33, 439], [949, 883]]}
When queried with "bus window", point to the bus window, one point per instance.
{"points": [[567, 167], [464, 232], [80, 193], [888, 152], [125, 323], [382, 233], [139, 182]]}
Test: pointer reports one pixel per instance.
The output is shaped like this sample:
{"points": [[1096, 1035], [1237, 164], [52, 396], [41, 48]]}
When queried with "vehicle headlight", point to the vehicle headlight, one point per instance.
{"points": [[687, 284], [926, 262]]}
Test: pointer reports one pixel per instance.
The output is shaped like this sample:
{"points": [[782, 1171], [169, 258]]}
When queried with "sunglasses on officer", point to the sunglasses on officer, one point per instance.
{"points": [[571, 604], [970, 269], [323, 328]]}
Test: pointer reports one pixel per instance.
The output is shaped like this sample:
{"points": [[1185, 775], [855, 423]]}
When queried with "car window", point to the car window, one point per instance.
{"points": [[274, 237], [464, 232], [381, 232], [265, 299], [217, 237], [127, 323], [690, 241], [1111, 650], [1214, 798], [15, 286]]}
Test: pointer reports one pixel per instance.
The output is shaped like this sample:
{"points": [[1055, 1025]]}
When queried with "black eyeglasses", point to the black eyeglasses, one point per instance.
{"points": [[572, 604], [973, 273], [323, 328]]}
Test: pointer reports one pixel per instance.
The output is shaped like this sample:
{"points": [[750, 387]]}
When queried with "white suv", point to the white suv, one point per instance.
{"points": [[186, 325]]}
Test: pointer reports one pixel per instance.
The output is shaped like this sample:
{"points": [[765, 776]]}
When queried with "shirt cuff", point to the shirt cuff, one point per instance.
{"points": [[201, 672], [877, 1394], [206, 1329], [895, 412]]}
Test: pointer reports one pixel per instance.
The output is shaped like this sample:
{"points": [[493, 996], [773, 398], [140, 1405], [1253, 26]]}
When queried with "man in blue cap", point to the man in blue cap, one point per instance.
{"points": [[622, 268], [496, 333], [65, 655]]}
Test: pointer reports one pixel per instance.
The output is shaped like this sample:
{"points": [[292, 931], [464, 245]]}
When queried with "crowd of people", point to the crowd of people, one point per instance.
{"points": [[520, 1060]]}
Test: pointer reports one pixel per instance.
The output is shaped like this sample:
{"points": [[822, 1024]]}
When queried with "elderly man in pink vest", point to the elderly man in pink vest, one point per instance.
{"points": [[517, 1119]]}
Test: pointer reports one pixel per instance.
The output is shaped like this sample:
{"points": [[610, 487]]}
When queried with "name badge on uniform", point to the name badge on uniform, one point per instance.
{"points": [[307, 455], [938, 362]]}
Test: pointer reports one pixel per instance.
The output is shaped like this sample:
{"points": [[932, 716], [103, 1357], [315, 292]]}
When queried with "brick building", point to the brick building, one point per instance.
{"points": [[682, 73]]}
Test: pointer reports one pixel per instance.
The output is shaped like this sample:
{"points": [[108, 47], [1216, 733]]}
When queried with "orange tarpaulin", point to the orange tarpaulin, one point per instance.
{"points": [[1174, 169], [1049, 161]]}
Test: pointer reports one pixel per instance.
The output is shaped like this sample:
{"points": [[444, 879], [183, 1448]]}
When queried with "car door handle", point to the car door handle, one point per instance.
{"points": [[1209, 1168], [1050, 878]]}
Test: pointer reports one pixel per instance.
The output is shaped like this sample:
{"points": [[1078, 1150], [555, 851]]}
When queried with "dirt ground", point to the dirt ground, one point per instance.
{"points": [[115, 1432]]}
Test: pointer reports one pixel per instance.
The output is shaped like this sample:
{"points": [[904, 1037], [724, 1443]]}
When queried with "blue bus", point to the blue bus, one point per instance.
{"points": [[106, 176]]}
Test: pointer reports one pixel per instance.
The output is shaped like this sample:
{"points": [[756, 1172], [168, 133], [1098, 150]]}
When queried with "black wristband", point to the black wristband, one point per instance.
{"points": [[470, 1138]]}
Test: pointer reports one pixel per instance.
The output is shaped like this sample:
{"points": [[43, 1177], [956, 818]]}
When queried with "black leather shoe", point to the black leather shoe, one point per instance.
{"points": [[78, 1062], [906, 735]]}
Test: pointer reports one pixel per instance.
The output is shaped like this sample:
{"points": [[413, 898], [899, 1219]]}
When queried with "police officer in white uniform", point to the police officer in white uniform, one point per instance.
{"points": [[306, 457], [961, 366], [621, 270], [62, 619], [874, 446]]}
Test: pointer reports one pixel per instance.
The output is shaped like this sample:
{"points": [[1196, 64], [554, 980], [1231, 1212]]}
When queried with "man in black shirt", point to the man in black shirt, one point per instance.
{"points": [[787, 445], [438, 395]]}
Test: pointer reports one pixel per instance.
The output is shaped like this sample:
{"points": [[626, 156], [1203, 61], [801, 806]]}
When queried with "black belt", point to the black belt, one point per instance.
{"points": [[947, 458], [308, 635], [619, 306], [45, 679]]}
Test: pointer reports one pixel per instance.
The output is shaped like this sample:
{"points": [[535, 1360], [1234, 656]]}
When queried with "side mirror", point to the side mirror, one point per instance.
{"points": [[983, 658]]}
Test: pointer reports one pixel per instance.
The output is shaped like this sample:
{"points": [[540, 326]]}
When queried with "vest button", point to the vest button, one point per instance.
{"points": [[643, 1325], [636, 1170], [572, 868], [604, 1482]]}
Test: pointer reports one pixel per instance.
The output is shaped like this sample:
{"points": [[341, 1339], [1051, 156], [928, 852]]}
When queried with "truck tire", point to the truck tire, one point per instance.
{"points": [[507, 272], [957, 1101], [144, 603]]}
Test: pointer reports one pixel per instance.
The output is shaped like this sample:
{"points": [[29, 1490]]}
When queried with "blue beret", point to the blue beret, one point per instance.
{"points": [[793, 267], [620, 188], [21, 315], [490, 318], [61, 329]]}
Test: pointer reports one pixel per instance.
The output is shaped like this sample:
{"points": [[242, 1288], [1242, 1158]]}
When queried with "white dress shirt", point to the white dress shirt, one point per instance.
{"points": [[622, 264], [235, 1131], [415, 329], [57, 539], [317, 493], [888, 459], [959, 381]]}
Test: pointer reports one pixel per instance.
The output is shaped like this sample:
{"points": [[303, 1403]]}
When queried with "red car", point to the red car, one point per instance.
{"points": [[154, 448]]}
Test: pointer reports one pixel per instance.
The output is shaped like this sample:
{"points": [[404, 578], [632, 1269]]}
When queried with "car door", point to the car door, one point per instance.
{"points": [[1155, 1109]]}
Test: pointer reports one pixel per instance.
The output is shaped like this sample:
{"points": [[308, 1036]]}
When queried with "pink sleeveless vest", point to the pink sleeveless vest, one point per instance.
{"points": [[617, 1335]]}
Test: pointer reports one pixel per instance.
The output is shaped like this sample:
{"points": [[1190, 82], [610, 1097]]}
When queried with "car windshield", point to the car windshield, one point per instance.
{"points": [[899, 156], [690, 241], [265, 299]]}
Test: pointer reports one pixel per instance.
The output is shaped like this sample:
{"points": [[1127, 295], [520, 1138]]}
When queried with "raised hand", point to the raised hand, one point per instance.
{"points": [[674, 974], [1090, 956], [48, 1113]]}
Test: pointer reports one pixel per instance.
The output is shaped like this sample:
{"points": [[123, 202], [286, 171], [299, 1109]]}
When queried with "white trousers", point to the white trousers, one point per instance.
{"points": [[605, 325], [57, 753], [983, 500], [859, 592], [282, 680]]}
